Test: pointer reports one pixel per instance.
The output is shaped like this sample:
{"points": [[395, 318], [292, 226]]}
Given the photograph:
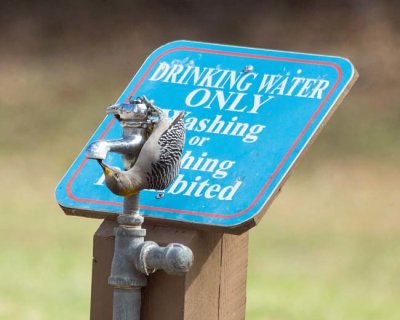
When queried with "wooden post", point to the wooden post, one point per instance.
{"points": [[213, 289]]}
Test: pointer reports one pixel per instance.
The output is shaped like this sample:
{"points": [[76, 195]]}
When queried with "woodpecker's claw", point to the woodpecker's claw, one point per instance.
{"points": [[151, 106]]}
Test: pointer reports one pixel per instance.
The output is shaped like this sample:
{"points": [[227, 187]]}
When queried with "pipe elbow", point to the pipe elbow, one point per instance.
{"points": [[174, 259]]}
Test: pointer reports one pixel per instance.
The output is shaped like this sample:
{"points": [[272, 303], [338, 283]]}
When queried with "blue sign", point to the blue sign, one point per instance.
{"points": [[250, 114]]}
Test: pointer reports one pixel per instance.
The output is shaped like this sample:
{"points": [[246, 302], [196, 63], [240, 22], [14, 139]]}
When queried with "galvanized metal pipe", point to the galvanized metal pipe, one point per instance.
{"points": [[135, 258], [127, 304], [131, 204]]}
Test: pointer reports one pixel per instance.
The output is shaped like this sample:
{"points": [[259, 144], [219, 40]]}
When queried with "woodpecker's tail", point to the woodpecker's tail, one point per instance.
{"points": [[180, 116]]}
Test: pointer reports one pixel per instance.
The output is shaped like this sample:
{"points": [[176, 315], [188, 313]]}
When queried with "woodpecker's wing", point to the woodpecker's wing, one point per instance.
{"points": [[171, 142]]}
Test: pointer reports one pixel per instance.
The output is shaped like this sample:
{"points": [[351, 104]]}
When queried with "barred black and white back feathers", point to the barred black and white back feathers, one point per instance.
{"points": [[171, 142]]}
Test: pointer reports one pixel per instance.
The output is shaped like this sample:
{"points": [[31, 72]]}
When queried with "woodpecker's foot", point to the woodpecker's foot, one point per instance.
{"points": [[151, 106]]}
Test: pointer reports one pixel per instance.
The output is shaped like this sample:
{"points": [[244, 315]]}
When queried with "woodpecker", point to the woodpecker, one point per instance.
{"points": [[158, 162]]}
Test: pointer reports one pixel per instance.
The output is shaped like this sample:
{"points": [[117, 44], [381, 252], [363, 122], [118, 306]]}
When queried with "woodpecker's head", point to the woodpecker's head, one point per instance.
{"points": [[118, 181]]}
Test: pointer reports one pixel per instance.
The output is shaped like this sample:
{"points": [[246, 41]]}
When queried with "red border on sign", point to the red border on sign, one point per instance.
{"points": [[273, 175]]}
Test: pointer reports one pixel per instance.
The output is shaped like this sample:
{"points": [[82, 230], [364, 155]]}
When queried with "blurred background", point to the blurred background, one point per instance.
{"points": [[329, 247]]}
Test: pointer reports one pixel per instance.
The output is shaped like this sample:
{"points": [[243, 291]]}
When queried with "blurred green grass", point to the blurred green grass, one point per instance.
{"points": [[328, 248]]}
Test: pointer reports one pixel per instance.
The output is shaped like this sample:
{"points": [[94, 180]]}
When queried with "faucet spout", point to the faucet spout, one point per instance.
{"points": [[129, 146], [98, 150]]}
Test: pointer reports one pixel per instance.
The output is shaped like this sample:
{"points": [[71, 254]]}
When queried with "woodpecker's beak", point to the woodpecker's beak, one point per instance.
{"points": [[106, 169]]}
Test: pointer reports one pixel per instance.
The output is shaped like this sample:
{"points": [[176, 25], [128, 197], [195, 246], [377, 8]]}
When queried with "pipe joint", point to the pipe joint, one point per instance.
{"points": [[127, 246]]}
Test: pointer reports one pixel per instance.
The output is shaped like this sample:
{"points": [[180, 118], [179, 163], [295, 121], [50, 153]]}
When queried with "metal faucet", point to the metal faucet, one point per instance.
{"points": [[135, 258], [136, 120]]}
